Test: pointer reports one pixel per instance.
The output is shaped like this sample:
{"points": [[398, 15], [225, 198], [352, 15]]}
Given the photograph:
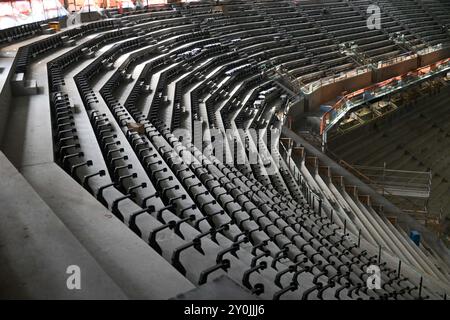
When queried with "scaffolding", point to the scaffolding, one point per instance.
{"points": [[409, 187], [413, 184]]}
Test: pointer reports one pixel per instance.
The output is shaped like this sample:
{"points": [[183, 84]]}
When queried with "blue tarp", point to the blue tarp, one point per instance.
{"points": [[415, 237]]}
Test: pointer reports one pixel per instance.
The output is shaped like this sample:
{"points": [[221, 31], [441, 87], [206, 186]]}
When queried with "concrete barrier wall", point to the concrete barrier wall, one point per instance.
{"points": [[433, 57], [296, 111], [394, 70], [332, 90], [5, 95]]}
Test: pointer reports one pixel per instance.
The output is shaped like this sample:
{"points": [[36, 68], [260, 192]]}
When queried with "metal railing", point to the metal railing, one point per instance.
{"points": [[313, 198], [357, 98]]}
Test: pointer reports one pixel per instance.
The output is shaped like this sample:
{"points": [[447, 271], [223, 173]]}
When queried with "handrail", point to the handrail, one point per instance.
{"points": [[312, 198], [315, 200], [288, 158]]}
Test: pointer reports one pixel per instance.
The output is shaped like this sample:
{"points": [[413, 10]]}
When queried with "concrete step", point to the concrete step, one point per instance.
{"points": [[22, 87], [41, 248]]}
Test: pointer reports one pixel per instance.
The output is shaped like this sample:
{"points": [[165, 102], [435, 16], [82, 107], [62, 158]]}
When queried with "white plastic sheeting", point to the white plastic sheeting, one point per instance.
{"points": [[90, 6], [16, 13]]}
